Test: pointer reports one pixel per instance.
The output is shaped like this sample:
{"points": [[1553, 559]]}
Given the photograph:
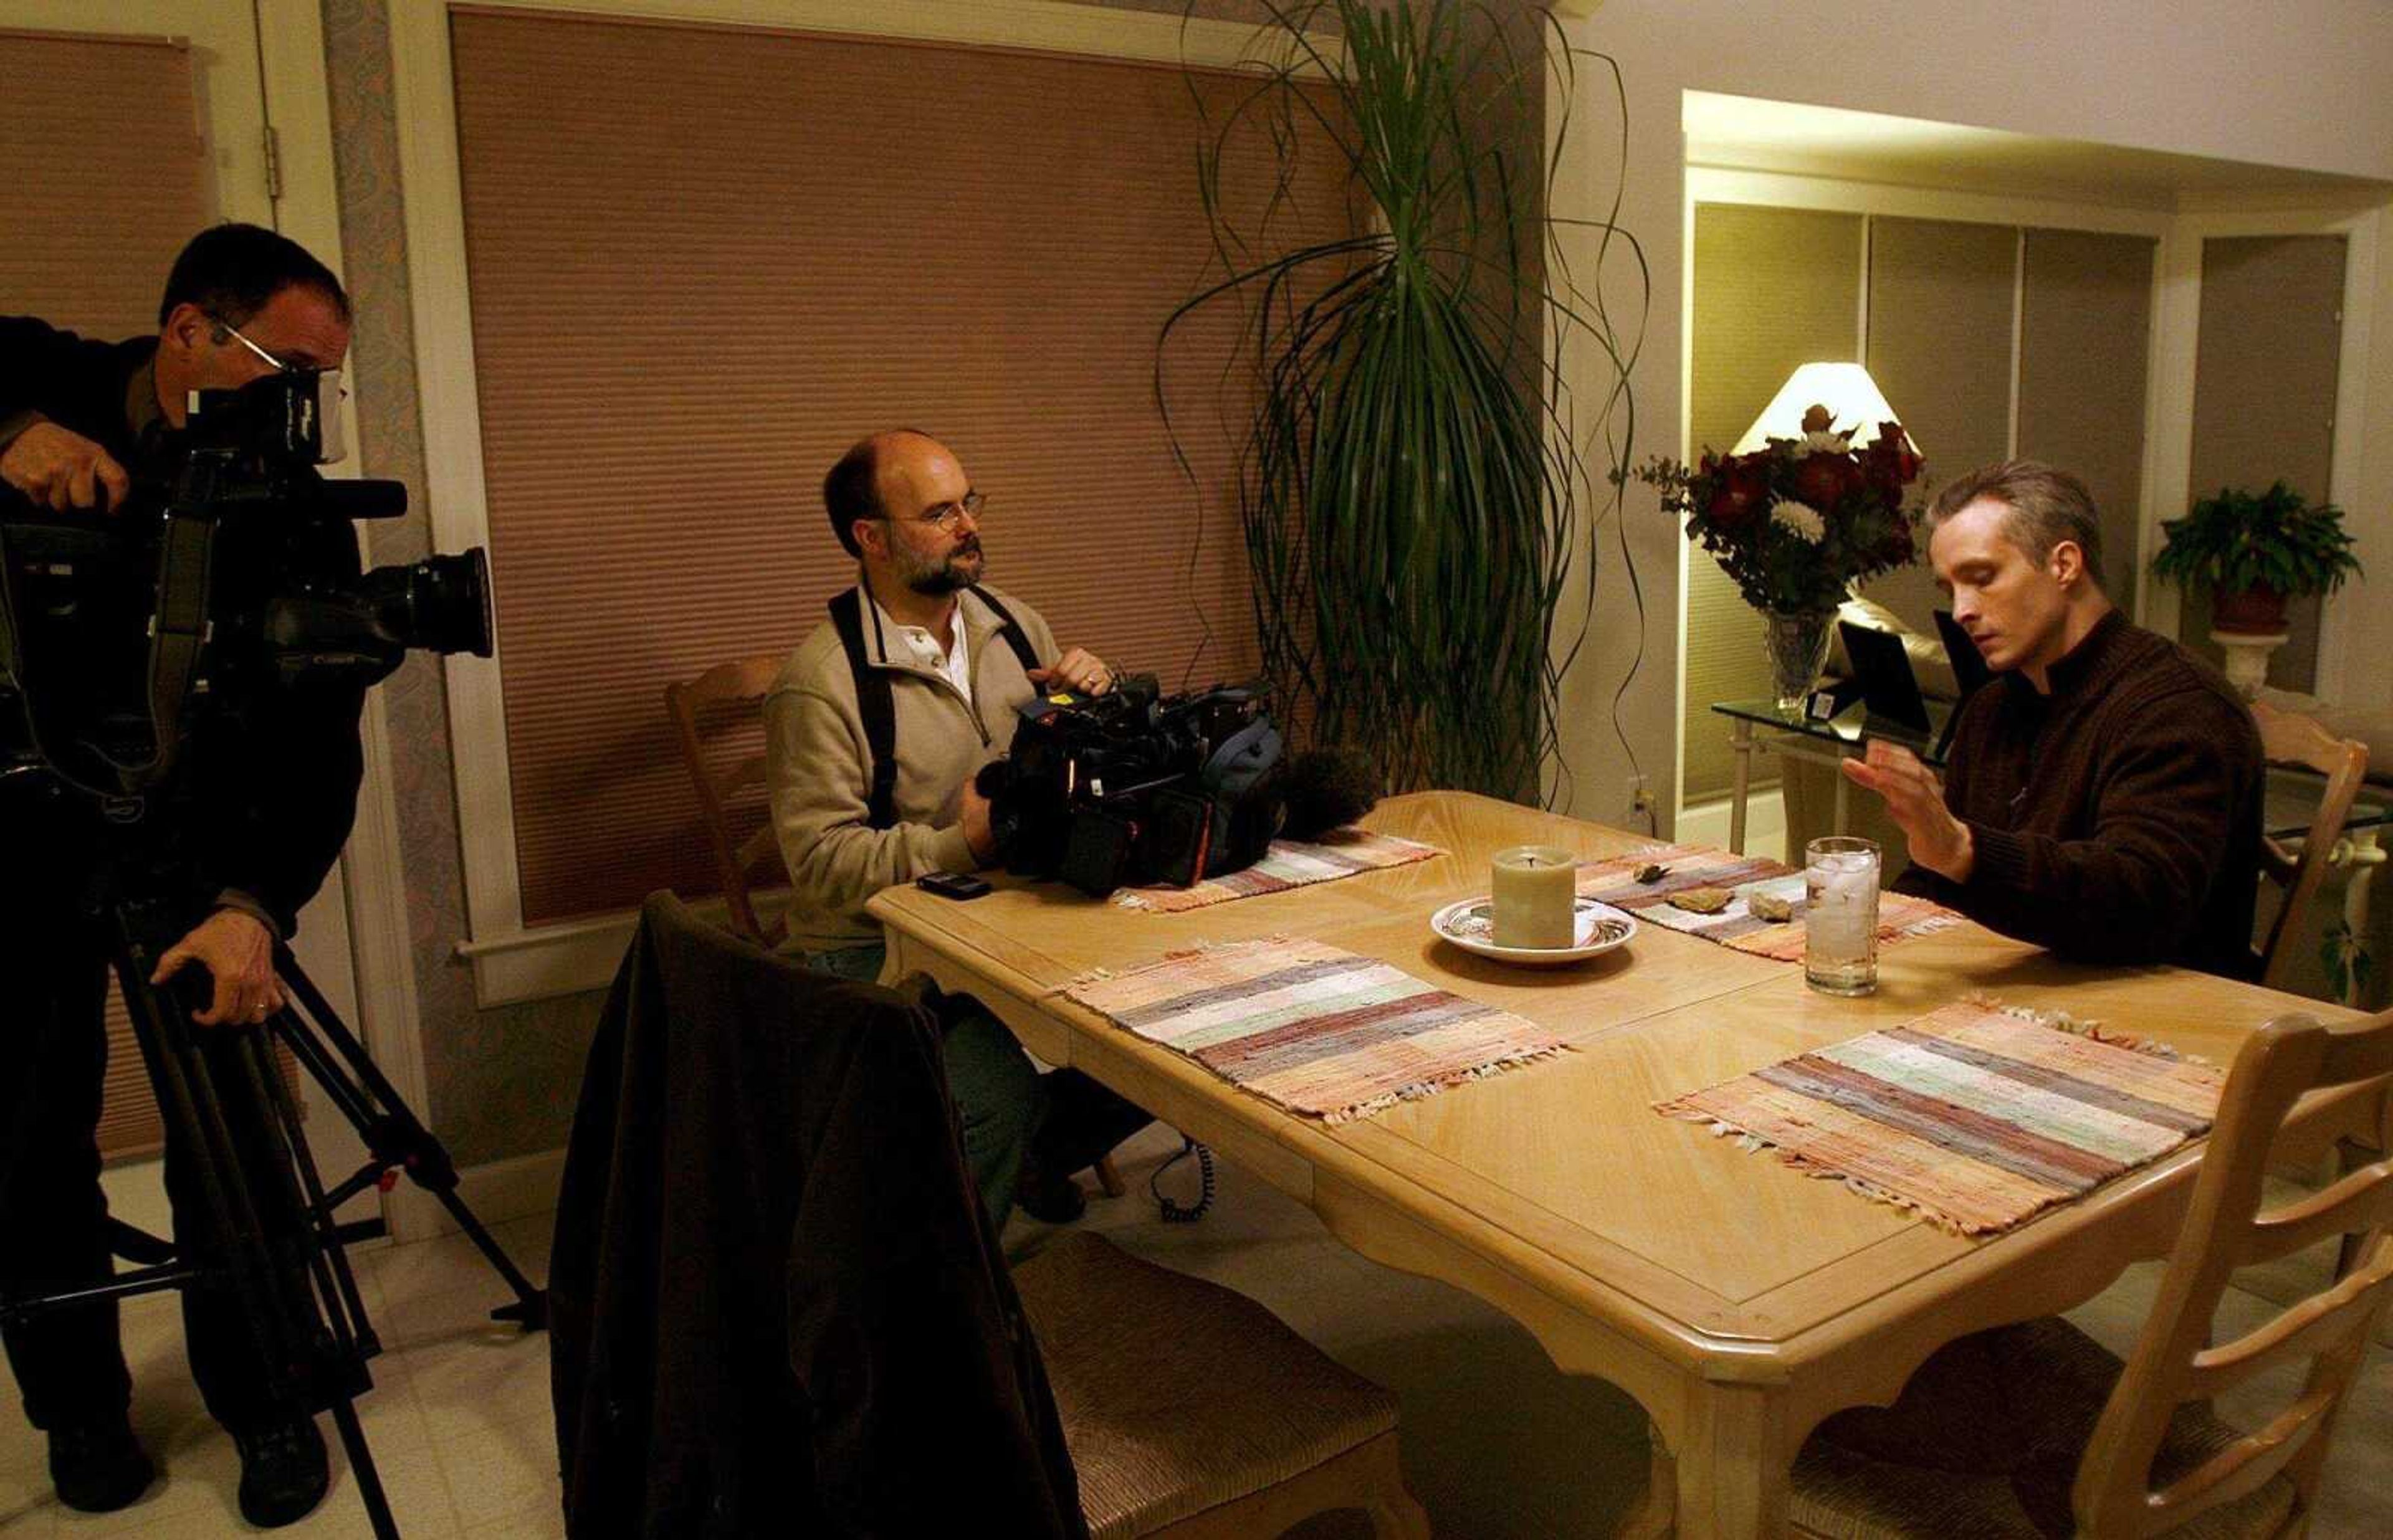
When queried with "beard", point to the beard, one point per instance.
{"points": [[958, 569]]}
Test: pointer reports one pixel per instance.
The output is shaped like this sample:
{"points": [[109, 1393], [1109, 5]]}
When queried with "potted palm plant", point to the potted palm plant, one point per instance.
{"points": [[2253, 552], [1410, 488]]}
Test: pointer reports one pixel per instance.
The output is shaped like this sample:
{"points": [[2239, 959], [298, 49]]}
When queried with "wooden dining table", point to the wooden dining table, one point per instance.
{"points": [[1737, 1301]]}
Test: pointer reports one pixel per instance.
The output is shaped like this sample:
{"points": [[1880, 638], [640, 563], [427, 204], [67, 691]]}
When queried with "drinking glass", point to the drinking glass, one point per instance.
{"points": [[1840, 915]]}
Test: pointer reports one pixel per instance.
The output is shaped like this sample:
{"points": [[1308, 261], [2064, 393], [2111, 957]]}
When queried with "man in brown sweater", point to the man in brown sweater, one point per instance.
{"points": [[2102, 796]]}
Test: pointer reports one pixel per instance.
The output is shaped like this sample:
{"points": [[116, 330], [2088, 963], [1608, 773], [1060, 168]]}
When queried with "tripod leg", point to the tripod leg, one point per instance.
{"points": [[235, 1253], [352, 1339], [296, 1171], [266, 1268], [362, 1466], [396, 1136]]}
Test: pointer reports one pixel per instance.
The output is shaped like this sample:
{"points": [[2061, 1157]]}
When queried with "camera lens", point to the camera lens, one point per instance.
{"points": [[442, 604]]}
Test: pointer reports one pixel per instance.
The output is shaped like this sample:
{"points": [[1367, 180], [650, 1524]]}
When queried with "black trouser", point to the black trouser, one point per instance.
{"points": [[69, 1365]]}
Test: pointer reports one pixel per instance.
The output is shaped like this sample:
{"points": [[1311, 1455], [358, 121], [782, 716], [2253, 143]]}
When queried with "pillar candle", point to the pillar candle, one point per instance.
{"points": [[1536, 891]]}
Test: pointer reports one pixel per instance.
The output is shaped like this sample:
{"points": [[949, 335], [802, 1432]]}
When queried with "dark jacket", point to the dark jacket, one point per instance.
{"points": [[269, 781], [777, 1304], [2116, 819]]}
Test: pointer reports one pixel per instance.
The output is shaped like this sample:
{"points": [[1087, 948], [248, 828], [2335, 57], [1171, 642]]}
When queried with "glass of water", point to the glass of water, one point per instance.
{"points": [[1840, 915]]}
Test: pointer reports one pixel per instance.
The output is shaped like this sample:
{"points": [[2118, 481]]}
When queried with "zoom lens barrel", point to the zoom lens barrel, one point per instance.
{"points": [[442, 604]]}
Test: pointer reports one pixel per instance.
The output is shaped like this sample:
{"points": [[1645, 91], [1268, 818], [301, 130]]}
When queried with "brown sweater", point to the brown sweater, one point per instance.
{"points": [[2116, 819]]}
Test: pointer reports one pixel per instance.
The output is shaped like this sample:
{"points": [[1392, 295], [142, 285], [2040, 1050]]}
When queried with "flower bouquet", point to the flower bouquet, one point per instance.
{"points": [[1796, 523]]}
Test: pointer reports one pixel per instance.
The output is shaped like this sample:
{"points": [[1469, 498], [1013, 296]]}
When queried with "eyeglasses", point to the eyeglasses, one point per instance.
{"points": [[330, 390], [226, 331], [944, 516]]}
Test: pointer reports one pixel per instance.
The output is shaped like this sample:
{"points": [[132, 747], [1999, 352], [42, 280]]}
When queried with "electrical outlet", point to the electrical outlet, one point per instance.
{"points": [[1641, 799]]}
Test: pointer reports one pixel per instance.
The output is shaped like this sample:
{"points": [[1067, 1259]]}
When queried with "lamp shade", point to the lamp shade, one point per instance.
{"points": [[1852, 398]]}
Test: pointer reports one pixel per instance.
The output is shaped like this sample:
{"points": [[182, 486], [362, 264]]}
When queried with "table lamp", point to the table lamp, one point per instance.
{"points": [[1852, 398]]}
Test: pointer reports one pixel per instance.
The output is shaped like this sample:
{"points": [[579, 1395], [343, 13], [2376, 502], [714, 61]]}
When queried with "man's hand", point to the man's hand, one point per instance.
{"points": [[1915, 799], [978, 831], [1080, 669], [61, 470], [237, 951]]}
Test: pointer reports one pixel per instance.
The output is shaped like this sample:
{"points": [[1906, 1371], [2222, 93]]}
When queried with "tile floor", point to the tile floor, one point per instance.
{"points": [[1497, 1443]]}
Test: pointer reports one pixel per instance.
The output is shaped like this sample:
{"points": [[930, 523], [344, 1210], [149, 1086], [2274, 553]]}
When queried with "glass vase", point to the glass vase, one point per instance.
{"points": [[1797, 644]]}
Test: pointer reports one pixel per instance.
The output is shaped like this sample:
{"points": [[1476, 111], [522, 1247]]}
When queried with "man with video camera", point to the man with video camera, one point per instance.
{"points": [[950, 664], [83, 426]]}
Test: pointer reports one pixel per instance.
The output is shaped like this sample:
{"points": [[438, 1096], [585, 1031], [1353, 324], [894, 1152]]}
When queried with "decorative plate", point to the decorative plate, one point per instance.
{"points": [[1471, 925]]}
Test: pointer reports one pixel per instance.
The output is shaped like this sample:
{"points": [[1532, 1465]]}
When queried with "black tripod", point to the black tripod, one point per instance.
{"points": [[266, 1237]]}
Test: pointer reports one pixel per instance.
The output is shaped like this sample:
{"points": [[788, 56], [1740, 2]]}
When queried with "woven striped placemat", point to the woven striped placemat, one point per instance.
{"points": [[1977, 1115], [1288, 864], [1615, 881], [1313, 1028]]}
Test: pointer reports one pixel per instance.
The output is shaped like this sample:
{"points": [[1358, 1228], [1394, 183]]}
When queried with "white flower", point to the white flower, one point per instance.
{"points": [[1800, 517]]}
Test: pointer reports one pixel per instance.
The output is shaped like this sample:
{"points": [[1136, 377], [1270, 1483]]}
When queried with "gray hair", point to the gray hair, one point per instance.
{"points": [[2047, 506]]}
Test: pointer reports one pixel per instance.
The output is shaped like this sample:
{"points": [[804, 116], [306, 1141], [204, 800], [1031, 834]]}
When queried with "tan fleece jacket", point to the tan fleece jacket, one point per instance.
{"points": [[818, 770]]}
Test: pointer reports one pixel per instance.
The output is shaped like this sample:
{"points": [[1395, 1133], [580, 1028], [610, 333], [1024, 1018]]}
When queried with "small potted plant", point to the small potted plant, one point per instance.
{"points": [[2253, 552]]}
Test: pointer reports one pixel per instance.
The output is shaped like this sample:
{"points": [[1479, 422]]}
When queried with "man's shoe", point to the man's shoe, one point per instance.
{"points": [[1048, 1194], [284, 1474], [98, 1467]]}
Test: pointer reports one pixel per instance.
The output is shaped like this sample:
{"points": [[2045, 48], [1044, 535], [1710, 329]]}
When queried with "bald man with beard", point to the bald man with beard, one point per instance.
{"points": [[958, 660]]}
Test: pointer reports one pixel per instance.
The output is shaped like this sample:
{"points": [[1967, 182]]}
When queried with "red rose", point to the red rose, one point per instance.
{"points": [[1740, 491], [1823, 479], [1891, 462]]}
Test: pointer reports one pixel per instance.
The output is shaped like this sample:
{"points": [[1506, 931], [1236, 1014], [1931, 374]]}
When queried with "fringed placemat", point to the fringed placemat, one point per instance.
{"points": [[1976, 1116], [1744, 878], [1312, 1028], [1288, 864]]}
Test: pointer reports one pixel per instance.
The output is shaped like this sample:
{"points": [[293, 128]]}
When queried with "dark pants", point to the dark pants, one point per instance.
{"points": [[69, 1365], [1010, 1112]]}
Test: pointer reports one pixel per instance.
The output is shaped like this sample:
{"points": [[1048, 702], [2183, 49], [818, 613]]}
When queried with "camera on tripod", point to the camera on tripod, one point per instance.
{"points": [[1136, 788], [149, 658], [229, 572]]}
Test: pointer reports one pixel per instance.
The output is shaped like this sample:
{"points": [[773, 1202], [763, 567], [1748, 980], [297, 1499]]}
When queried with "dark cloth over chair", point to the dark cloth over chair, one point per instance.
{"points": [[776, 1306]]}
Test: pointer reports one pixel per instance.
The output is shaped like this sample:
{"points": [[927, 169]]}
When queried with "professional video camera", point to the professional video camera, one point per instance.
{"points": [[223, 575], [1137, 787]]}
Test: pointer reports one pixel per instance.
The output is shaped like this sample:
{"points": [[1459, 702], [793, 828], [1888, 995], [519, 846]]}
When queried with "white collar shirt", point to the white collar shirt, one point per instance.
{"points": [[923, 647]]}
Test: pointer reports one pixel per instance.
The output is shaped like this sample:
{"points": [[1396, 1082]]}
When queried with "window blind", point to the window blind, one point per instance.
{"points": [[79, 112], [1773, 287]]}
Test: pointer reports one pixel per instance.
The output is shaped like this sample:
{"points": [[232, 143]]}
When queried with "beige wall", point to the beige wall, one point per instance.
{"points": [[2122, 72]]}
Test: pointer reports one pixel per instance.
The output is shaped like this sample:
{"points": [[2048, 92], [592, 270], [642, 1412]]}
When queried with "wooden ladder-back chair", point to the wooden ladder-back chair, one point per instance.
{"points": [[745, 681], [2154, 1459], [2226, 1228], [2288, 738]]}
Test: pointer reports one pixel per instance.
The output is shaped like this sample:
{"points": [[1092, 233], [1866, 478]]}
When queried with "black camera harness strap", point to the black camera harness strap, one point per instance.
{"points": [[179, 633], [876, 703]]}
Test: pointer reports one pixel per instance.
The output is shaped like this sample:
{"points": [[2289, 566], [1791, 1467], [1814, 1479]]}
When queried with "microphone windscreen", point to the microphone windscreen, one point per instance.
{"points": [[1326, 788]]}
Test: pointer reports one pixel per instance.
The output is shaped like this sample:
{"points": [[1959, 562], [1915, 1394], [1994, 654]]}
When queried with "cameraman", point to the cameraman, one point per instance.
{"points": [[270, 791], [955, 662]]}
